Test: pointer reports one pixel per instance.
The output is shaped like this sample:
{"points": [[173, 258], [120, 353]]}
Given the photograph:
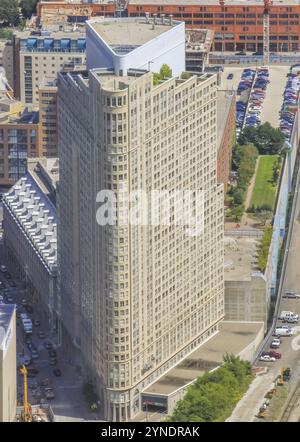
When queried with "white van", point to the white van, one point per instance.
{"points": [[286, 315], [281, 331]]}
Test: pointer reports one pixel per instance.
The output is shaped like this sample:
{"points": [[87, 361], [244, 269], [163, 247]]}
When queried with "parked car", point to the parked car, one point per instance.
{"points": [[41, 335], [230, 76], [27, 361], [34, 354], [53, 361], [275, 343], [36, 322], [57, 372], [52, 353], [292, 295], [3, 268], [24, 302], [267, 358], [29, 308], [48, 345], [273, 354], [32, 371]]}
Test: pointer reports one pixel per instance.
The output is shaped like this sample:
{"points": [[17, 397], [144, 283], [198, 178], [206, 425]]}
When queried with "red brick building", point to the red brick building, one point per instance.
{"points": [[225, 134], [238, 25]]}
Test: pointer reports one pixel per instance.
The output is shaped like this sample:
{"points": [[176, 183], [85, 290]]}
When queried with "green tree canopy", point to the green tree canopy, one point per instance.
{"points": [[28, 7], [9, 12], [267, 139]]}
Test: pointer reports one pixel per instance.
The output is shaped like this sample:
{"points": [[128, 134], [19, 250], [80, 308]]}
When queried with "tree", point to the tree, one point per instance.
{"points": [[165, 71], [237, 213], [238, 196], [9, 12], [267, 139], [28, 7]]}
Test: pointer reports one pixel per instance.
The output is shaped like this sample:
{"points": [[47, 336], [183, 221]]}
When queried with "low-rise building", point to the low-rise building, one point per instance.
{"points": [[225, 134], [247, 294], [19, 139], [197, 48], [53, 12], [8, 363], [29, 224]]}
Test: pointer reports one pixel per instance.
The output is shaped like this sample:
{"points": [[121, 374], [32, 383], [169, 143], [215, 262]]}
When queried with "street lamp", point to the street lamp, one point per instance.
{"points": [[149, 62]]}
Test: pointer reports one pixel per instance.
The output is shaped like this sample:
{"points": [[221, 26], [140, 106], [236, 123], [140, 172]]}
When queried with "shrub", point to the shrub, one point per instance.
{"points": [[213, 396], [264, 248], [165, 72]]}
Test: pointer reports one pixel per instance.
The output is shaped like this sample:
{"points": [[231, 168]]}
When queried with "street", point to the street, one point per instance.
{"points": [[248, 407], [69, 403]]}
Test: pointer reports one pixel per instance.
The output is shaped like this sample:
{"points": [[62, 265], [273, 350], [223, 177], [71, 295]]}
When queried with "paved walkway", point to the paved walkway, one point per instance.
{"points": [[248, 406], [246, 220]]}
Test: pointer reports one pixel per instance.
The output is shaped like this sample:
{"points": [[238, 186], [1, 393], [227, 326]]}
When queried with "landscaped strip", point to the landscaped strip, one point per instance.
{"points": [[264, 191]]}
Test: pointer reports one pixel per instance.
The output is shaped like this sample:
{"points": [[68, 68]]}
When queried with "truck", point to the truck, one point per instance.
{"points": [[281, 331], [287, 315]]}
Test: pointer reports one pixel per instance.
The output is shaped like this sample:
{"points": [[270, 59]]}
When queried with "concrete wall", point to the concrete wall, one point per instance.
{"points": [[279, 223], [168, 48], [8, 375], [248, 352], [247, 300]]}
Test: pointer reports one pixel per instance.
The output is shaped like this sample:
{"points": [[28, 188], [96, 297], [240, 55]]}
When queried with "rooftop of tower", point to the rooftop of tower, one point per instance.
{"points": [[123, 35]]}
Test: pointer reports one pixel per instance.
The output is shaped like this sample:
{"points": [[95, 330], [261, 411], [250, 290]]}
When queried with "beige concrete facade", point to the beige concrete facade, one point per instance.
{"points": [[135, 300], [48, 117], [8, 363], [40, 56]]}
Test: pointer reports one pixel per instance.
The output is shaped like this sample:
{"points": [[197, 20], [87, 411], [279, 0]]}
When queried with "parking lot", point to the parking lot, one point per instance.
{"points": [[273, 99]]}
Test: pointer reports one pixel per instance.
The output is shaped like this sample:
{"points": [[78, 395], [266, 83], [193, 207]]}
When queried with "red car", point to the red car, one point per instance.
{"points": [[273, 354]]}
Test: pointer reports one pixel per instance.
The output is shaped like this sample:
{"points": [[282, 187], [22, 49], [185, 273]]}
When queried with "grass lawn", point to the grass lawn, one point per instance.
{"points": [[264, 188]]}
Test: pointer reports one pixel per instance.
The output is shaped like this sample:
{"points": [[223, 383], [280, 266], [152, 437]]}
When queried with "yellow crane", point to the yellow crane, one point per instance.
{"points": [[27, 417]]}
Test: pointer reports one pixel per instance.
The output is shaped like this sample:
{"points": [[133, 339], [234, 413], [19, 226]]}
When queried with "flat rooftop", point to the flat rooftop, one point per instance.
{"points": [[128, 32], [233, 337], [53, 32], [224, 101], [6, 313], [240, 257]]}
